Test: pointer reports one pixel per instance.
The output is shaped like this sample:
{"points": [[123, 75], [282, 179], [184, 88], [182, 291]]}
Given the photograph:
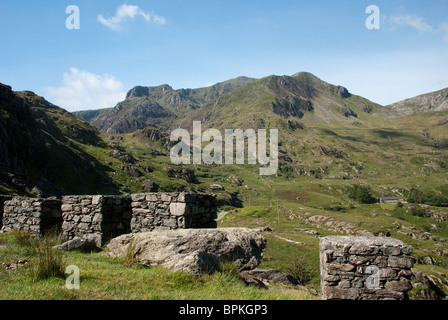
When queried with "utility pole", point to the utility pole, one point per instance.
{"points": [[278, 213]]}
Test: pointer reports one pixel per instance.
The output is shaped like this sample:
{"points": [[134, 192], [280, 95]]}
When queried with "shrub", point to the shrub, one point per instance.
{"points": [[302, 270], [337, 207], [418, 196], [361, 193], [50, 262], [418, 211], [23, 239]]}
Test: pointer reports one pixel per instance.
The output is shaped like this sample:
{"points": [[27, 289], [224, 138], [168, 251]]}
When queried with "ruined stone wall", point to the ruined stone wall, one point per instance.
{"points": [[172, 211], [2, 201], [365, 268], [106, 217], [102, 216], [35, 216], [109, 216]]}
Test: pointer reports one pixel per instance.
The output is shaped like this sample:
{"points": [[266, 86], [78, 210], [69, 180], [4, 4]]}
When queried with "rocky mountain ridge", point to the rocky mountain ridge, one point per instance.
{"points": [[434, 101]]}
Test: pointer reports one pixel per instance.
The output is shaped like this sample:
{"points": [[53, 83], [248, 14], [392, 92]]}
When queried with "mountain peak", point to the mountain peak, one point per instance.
{"points": [[140, 91]]}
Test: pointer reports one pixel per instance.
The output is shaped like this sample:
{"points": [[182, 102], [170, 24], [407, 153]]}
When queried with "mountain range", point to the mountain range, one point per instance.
{"points": [[301, 95], [325, 132], [331, 142]]}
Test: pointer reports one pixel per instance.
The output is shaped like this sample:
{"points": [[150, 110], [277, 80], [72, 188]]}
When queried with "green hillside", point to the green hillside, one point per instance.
{"points": [[329, 141], [42, 149]]}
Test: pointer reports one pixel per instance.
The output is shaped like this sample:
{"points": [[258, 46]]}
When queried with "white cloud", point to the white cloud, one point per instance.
{"points": [[82, 90], [418, 23], [411, 20], [444, 29], [128, 12]]}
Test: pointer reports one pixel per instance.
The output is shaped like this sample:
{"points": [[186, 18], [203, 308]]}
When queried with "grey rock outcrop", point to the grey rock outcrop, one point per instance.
{"points": [[192, 250], [150, 186], [85, 244], [274, 276], [342, 92]]}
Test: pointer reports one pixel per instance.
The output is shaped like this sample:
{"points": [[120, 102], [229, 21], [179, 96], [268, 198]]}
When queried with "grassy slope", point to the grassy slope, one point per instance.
{"points": [[103, 278], [388, 168], [391, 154], [53, 153]]}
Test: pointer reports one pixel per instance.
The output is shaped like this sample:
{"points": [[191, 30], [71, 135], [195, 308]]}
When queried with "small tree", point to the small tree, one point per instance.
{"points": [[416, 196], [361, 193]]}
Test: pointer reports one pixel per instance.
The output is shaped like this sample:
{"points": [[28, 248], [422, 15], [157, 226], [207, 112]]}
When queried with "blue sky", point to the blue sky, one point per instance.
{"points": [[191, 44]]}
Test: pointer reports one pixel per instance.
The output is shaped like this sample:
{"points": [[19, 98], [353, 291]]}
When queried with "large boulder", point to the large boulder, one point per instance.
{"points": [[274, 276], [84, 244], [195, 251]]}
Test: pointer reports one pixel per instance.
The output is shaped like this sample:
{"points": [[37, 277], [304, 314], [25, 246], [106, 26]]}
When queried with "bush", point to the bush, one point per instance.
{"points": [[50, 263], [420, 197], [23, 239], [416, 196], [418, 211], [302, 270], [361, 193], [337, 208]]}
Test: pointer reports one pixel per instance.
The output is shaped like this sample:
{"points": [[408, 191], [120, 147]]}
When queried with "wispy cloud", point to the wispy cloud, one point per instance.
{"points": [[82, 90], [127, 12], [444, 29], [411, 20], [417, 23]]}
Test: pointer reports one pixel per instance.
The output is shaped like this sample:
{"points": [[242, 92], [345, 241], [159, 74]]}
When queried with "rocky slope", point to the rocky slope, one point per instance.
{"points": [[38, 147], [296, 97], [157, 106], [434, 101]]}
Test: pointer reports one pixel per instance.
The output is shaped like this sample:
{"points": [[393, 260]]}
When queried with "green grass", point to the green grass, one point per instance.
{"points": [[392, 155], [398, 222], [103, 278]]}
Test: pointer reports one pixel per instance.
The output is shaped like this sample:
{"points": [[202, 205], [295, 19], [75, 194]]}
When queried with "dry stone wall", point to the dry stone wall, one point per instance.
{"points": [[3, 199], [172, 211], [104, 217], [365, 268], [35, 216]]}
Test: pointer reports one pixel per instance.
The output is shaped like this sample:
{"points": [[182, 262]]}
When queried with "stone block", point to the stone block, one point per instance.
{"points": [[404, 262], [178, 209], [165, 197], [138, 197], [67, 207], [153, 197]]}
